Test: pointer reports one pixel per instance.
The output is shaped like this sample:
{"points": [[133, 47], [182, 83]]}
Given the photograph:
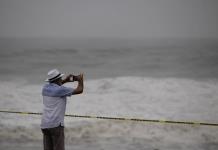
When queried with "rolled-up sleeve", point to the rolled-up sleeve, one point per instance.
{"points": [[56, 91], [64, 91]]}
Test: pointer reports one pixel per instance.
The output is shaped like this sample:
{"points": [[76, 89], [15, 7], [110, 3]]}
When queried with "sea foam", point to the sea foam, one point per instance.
{"points": [[132, 97]]}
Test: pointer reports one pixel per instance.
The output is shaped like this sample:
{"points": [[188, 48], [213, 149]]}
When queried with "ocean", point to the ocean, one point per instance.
{"points": [[170, 82]]}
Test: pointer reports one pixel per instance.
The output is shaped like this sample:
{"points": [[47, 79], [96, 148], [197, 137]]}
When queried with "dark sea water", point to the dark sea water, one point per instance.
{"points": [[33, 64]]}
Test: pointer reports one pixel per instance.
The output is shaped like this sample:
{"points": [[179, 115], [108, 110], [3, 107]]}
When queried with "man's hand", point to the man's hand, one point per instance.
{"points": [[78, 78], [69, 78]]}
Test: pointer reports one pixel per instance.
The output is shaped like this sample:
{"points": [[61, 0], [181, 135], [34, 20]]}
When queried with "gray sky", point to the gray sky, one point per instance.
{"points": [[109, 18]]}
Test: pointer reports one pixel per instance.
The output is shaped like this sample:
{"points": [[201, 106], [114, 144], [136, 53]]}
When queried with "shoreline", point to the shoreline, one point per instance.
{"points": [[133, 136]]}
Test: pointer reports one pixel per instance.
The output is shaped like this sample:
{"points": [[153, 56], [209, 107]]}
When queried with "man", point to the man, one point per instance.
{"points": [[54, 101]]}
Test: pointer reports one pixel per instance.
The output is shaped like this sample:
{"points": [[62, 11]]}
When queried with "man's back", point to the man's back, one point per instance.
{"points": [[54, 101]]}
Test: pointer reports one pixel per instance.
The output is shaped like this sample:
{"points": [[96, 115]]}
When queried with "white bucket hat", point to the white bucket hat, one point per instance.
{"points": [[53, 75]]}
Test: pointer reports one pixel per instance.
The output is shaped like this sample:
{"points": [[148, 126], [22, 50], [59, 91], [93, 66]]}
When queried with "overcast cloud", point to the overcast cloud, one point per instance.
{"points": [[109, 18]]}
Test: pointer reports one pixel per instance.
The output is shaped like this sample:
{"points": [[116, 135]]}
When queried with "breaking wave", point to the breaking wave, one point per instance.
{"points": [[150, 98]]}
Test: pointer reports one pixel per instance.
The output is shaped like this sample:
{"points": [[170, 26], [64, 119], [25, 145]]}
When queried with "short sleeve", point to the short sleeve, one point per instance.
{"points": [[56, 90], [64, 91]]}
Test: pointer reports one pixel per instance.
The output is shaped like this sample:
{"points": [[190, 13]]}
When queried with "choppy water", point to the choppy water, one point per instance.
{"points": [[154, 83], [33, 65]]}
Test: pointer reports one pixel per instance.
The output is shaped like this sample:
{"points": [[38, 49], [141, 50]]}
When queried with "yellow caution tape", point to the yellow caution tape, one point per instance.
{"points": [[119, 118], [162, 121], [24, 113]]}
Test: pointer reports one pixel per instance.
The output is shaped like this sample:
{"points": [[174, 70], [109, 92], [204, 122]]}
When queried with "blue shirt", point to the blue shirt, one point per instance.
{"points": [[54, 105]]}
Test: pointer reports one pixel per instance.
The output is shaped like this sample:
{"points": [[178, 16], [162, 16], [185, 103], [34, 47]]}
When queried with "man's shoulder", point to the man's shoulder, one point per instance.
{"points": [[50, 89], [50, 86]]}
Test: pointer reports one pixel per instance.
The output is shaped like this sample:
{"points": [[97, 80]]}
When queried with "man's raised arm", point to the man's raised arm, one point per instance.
{"points": [[79, 88]]}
